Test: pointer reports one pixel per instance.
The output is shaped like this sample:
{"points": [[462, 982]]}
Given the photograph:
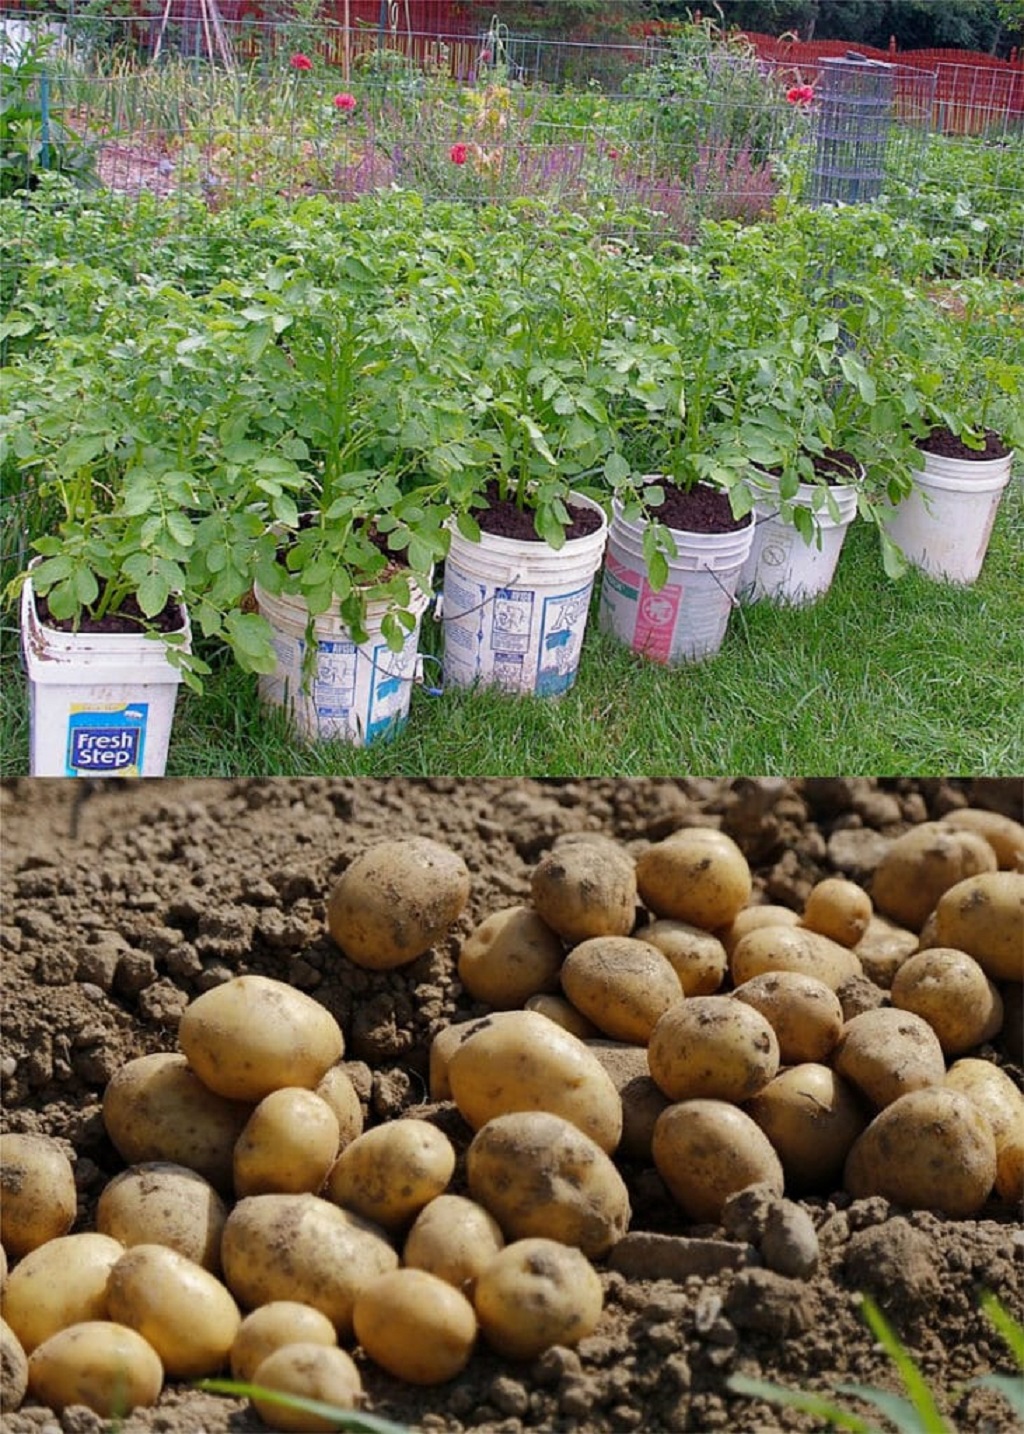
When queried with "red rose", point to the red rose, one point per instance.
{"points": [[344, 101], [301, 62], [458, 153]]}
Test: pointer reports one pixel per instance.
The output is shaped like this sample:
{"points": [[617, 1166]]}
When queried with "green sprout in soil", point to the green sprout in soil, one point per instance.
{"points": [[349, 1421], [916, 1414]]}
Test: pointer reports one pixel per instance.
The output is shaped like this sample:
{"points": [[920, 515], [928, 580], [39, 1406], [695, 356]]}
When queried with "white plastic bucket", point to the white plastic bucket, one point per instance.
{"points": [[685, 620], [353, 692], [515, 611], [100, 704], [783, 565], [944, 525]]}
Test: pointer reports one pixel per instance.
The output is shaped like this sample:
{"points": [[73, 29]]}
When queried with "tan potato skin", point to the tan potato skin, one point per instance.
{"points": [[984, 916], [391, 1171], [585, 889], [314, 1371], [105, 1366], [712, 1048], [949, 990], [1002, 1105], [523, 1061], [272, 1326], [160, 1203], [13, 1370], [1003, 834], [38, 1199], [805, 1014], [838, 909], [289, 1143], [539, 1175], [337, 1090], [812, 1117], [253, 1035], [752, 918], [696, 875], [887, 1052], [396, 900], [923, 863], [60, 1283], [785, 948], [698, 958], [512, 955], [535, 1294], [931, 1149], [182, 1310], [454, 1238], [564, 1014], [622, 984], [416, 1326], [707, 1150], [303, 1248], [157, 1108]]}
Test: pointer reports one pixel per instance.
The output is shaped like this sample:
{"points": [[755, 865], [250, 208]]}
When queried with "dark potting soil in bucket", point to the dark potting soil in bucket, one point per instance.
{"points": [[504, 518]]}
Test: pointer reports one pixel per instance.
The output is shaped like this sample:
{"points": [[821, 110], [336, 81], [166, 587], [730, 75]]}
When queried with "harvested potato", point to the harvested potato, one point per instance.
{"points": [[13, 1370], [337, 1090], [886, 1052], [182, 1310], [253, 1035], [785, 948], [752, 918], [707, 1150], [930, 1149], [523, 1061], [453, 1238], [160, 1203], [1003, 834], [396, 900], [156, 1108], [585, 889], [564, 1014], [839, 909], [642, 1101], [390, 1172], [923, 863], [105, 1366], [712, 1048], [952, 993], [271, 1327], [313, 1371], [537, 1293], [883, 948], [984, 916], [299, 1247], [538, 1174], [812, 1117], [697, 957], [416, 1326], [38, 1199], [621, 984], [697, 875], [1002, 1105], [289, 1143], [60, 1283], [511, 956], [805, 1014]]}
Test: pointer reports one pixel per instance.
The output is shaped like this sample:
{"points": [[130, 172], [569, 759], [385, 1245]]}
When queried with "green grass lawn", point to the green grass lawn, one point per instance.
{"points": [[911, 677]]}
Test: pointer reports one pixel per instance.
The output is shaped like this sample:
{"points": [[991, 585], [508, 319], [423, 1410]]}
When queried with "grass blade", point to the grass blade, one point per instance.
{"points": [[802, 1400], [353, 1421], [931, 1421]]}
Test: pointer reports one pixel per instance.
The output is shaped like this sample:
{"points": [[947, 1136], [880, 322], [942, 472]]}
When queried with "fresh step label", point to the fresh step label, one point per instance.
{"points": [[106, 743]]}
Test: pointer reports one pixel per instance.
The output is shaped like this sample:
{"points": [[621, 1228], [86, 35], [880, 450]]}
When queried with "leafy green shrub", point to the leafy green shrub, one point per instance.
{"points": [[32, 134]]}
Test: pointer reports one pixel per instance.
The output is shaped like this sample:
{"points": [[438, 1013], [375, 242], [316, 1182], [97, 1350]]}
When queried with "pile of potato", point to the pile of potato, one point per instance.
{"points": [[640, 1008]]}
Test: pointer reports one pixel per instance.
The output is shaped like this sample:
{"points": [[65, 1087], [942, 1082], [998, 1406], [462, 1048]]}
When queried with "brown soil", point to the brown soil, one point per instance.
{"points": [[124, 901], [700, 509], [947, 445], [128, 618], [503, 518]]}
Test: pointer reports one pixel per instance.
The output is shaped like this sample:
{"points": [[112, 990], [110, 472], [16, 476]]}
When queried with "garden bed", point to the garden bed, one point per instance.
{"points": [[123, 903]]}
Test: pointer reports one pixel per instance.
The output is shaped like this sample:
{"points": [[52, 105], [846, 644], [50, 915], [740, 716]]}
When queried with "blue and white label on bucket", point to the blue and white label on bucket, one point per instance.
{"points": [[512, 619], [391, 688], [563, 620], [109, 742]]}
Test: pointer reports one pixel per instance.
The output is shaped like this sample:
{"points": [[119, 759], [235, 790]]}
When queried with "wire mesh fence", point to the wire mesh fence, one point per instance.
{"points": [[659, 136]]}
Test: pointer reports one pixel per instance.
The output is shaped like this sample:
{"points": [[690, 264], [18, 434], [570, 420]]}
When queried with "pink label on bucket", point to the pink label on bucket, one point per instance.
{"points": [[656, 620]]}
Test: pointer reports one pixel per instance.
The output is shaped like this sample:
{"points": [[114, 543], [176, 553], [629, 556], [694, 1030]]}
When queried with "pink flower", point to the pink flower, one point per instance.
{"points": [[613, 154], [800, 94], [301, 62], [485, 57], [459, 153], [344, 101]]}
